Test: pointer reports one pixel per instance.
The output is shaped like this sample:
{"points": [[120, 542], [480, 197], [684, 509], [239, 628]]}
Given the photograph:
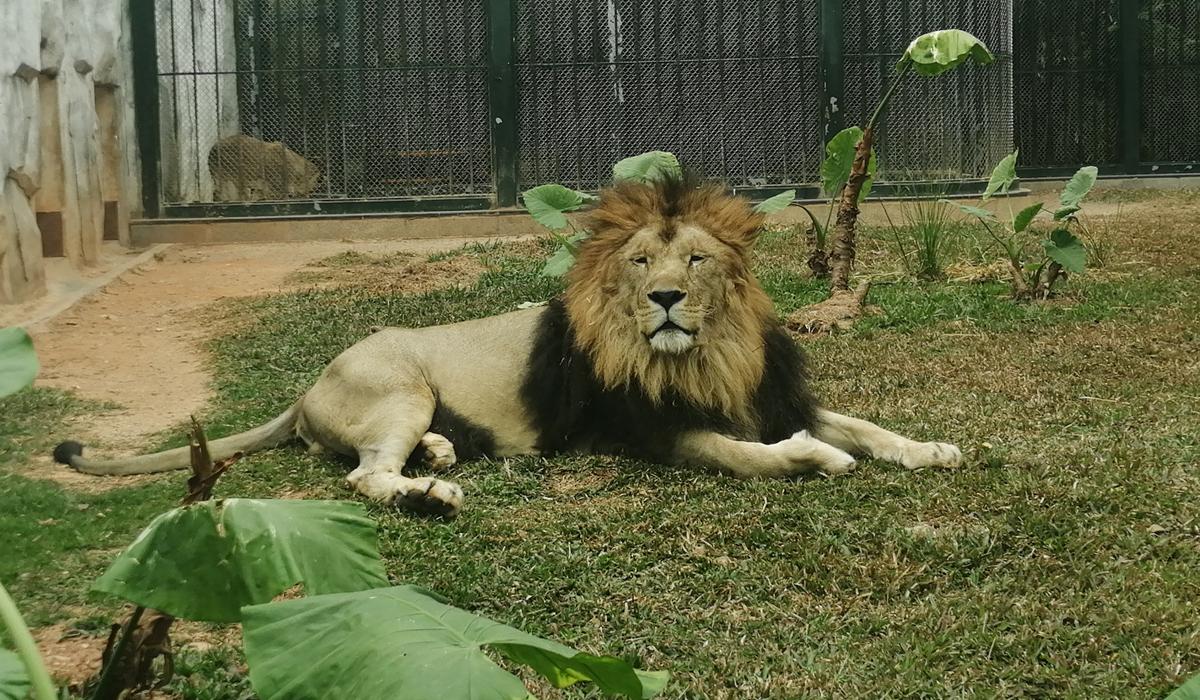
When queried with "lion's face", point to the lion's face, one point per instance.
{"points": [[674, 279], [661, 294]]}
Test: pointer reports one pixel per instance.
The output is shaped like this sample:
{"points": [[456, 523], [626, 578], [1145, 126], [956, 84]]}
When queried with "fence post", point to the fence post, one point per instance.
{"points": [[502, 99], [832, 68], [143, 43], [1131, 86]]}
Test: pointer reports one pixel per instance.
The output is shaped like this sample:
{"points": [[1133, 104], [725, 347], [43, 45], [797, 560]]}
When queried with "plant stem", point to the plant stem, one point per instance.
{"points": [[26, 648], [904, 68], [104, 689]]}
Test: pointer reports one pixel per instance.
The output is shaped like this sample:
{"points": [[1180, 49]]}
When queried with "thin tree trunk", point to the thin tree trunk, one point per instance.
{"points": [[842, 255]]}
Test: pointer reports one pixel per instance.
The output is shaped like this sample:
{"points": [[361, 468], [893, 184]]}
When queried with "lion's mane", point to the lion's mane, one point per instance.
{"points": [[724, 372]]}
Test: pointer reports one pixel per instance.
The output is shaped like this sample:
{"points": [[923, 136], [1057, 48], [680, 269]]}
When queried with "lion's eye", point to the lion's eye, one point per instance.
{"points": [[640, 260], [695, 259]]}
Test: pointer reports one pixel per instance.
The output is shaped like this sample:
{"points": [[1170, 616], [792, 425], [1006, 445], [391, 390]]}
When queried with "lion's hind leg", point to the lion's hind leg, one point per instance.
{"points": [[399, 434], [378, 478], [861, 437], [435, 452]]}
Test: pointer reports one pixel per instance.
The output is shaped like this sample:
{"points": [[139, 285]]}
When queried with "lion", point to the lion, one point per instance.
{"points": [[662, 347], [245, 169]]}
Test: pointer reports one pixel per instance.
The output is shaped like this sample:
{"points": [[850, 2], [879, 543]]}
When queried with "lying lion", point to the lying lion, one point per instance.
{"points": [[663, 347]]}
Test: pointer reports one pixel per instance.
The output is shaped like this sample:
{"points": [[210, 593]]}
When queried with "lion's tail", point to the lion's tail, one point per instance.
{"points": [[267, 435]]}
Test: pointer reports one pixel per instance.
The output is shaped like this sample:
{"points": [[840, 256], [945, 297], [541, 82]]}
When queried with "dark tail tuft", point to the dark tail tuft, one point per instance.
{"points": [[65, 451]]}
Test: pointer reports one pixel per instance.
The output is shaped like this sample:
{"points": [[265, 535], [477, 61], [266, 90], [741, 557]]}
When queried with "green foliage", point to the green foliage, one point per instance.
{"points": [[207, 560], [564, 255], [547, 204], [1065, 249], [925, 240], [404, 642], [937, 52], [1003, 176], [647, 167], [14, 682], [1188, 691], [970, 210], [839, 160], [1036, 278], [779, 202], [1025, 217], [18, 362], [1072, 195]]}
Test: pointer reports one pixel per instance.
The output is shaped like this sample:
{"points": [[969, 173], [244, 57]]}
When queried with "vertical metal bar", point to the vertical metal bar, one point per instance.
{"points": [[424, 170], [502, 99], [1131, 86], [448, 77], [145, 100], [262, 61], [833, 68], [323, 84], [195, 75]]}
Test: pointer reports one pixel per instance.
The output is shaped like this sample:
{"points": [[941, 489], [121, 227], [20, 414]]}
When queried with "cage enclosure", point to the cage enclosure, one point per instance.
{"points": [[285, 106]]}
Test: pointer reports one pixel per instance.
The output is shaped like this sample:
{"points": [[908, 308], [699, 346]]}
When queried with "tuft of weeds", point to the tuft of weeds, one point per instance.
{"points": [[925, 239]]}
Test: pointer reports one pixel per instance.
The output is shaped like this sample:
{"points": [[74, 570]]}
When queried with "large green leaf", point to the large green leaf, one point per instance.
{"points": [[839, 161], [1025, 217], [779, 202], [969, 210], [18, 362], [1066, 250], [938, 52], [647, 167], [564, 255], [14, 682], [1072, 195], [546, 204], [1188, 691], [1003, 176], [404, 642], [205, 561]]}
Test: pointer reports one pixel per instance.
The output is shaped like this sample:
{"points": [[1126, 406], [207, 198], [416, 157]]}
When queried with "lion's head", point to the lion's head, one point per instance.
{"points": [[662, 293]]}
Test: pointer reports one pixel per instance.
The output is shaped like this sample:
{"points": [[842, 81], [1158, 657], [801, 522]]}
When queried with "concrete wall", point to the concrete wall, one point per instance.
{"points": [[67, 149]]}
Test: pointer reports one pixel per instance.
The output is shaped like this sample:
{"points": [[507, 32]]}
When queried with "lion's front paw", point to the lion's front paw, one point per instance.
{"points": [[428, 495], [805, 454], [917, 455]]}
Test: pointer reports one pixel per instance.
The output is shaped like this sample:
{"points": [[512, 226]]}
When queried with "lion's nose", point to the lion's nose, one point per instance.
{"points": [[666, 298]]}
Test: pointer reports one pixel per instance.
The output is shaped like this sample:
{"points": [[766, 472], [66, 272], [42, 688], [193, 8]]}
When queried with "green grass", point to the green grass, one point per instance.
{"points": [[1061, 560]]}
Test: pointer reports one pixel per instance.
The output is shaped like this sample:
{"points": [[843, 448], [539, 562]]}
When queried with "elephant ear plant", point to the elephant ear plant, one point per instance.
{"points": [[349, 635], [21, 670], [849, 168], [1035, 274], [549, 204]]}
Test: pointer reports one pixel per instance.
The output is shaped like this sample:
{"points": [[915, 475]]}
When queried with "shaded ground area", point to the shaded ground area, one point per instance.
{"points": [[1059, 561]]}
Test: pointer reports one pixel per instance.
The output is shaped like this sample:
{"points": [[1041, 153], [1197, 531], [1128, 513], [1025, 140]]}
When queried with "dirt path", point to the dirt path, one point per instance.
{"points": [[135, 344]]}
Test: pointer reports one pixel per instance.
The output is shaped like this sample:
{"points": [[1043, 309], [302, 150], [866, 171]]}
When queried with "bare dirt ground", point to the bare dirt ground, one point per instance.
{"points": [[136, 344]]}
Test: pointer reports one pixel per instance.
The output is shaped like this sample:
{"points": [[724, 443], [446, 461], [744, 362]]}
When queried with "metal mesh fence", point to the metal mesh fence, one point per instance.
{"points": [[1170, 56], [267, 100], [1067, 98], [370, 100], [731, 87], [950, 127]]}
